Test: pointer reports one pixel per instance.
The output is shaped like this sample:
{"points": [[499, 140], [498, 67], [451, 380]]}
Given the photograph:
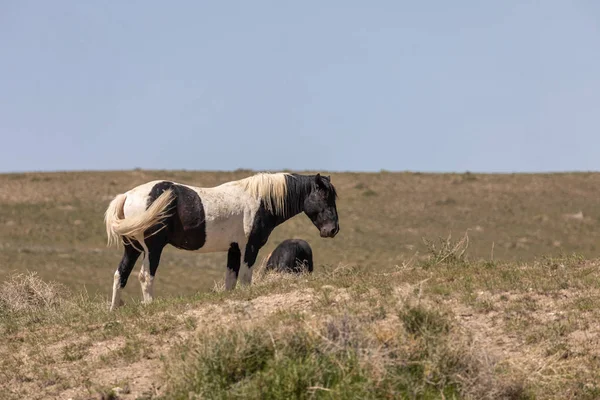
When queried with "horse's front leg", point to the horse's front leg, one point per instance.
{"points": [[246, 275], [234, 258], [250, 255]]}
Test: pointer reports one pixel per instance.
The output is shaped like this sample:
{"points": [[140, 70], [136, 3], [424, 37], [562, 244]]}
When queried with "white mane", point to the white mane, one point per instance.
{"points": [[271, 188]]}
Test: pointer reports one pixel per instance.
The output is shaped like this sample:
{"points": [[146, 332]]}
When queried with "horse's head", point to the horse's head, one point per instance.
{"points": [[320, 207]]}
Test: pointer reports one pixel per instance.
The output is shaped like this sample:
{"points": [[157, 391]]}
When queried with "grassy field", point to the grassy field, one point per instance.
{"points": [[507, 308], [53, 223]]}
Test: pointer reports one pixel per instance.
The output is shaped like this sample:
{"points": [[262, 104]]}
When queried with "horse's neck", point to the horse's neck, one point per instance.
{"points": [[280, 219], [298, 189]]}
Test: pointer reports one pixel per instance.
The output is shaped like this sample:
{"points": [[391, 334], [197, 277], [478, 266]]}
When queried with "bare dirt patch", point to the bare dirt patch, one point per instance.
{"points": [[541, 335], [144, 377]]}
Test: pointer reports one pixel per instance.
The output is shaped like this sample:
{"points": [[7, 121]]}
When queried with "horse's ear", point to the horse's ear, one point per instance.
{"points": [[319, 181]]}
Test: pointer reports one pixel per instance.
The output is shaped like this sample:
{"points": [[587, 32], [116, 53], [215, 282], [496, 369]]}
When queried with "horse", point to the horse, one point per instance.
{"points": [[292, 255], [236, 217]]}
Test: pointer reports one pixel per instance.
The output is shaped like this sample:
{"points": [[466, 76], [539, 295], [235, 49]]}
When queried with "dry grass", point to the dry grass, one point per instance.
{"points": [[27, 292], [52, 222], [493, 309], [447, 251], [464, 330]]}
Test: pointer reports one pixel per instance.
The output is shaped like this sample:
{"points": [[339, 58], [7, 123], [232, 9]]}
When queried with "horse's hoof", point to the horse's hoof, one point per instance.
{"points": [[121, 303]]}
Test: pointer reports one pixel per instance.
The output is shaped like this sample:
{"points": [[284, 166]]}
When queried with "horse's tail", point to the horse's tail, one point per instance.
{"points": [[118, 227]]}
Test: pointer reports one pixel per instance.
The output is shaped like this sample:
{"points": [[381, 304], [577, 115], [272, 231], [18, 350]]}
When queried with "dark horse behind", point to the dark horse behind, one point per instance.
{"points": [[291, 255]]}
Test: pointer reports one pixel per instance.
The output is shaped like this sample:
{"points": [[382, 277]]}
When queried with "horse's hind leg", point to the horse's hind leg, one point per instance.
{"points": [[152, 252], [130, 256]]}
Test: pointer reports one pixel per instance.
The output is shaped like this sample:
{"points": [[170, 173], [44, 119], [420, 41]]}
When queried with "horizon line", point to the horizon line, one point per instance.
{"points": [[380, 171]]}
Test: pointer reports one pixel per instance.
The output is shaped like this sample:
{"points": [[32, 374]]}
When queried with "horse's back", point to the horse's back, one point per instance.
{"points": [[291, 255], [139, 198], [207, 219]]}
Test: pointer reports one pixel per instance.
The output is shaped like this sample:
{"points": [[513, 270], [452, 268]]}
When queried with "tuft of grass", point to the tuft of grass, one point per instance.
{"points": [[369, 193], [27, 292], [75, 351], [131, 351], [108, 394], [423, 321], [447, 251], [449, 201]]}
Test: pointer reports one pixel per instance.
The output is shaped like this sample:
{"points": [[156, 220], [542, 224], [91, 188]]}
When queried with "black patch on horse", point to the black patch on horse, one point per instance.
{"points": [[189, 223], [292, 255], [157, 190], [130, 256], [264, 223], [234, 256], [186, 227]]}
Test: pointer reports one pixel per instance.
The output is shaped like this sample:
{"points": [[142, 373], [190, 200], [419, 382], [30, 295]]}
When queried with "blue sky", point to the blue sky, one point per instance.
{"points": [[496, 86]]}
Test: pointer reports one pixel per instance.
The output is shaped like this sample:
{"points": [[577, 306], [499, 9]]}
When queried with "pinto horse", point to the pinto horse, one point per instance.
{"points": [[236, 217]]}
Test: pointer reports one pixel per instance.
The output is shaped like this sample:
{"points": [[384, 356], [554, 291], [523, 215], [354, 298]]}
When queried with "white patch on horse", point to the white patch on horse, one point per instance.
{"points": [[230, 279], [225, 210], [245, 274], [146, 280], [137, 199], [116, 297]]}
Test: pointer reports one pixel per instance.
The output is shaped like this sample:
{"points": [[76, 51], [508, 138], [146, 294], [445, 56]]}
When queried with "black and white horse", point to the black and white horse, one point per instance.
{"points": [[292, 255], [236, 217]]}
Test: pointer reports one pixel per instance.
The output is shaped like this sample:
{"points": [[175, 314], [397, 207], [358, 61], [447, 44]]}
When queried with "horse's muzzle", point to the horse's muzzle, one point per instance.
{"points": [[331, 232]]}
